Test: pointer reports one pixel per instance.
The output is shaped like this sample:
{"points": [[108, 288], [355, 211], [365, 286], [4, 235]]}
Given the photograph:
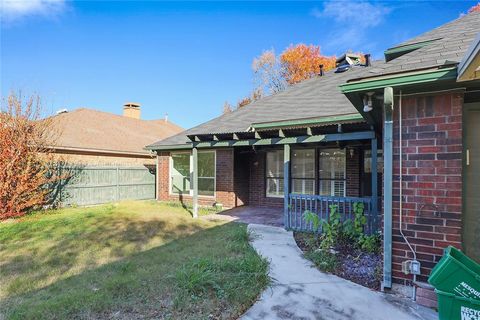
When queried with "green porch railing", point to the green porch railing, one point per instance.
{"points": [[321, 205], [102, 184]]}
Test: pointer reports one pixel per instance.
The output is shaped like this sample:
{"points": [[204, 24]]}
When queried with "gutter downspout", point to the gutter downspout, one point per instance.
{"points": [[387, 194]]}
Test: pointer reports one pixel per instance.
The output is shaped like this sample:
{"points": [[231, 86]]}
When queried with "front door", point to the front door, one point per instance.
{"points": [[471, 221]]}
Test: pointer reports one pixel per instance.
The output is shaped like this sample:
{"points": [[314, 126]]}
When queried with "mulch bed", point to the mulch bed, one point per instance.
{"points": [[353, 264]]}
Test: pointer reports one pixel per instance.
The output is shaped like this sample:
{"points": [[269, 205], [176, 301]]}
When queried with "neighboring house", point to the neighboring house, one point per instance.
{"points": [[95, 137], [106, 152], [316, 144]]}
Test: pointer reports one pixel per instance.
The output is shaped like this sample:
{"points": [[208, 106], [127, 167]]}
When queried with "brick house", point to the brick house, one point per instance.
{"points": [[335, 138]]}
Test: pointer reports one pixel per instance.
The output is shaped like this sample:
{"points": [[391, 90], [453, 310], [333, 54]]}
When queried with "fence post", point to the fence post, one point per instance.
{"points": [[118, 184]]}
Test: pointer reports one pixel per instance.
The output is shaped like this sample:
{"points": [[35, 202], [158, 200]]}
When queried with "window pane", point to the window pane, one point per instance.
{"points": [[274, 166], [180, 174], [303, 186], [206, 164], [325, 187], [339, 188], [274, 187], [367, 163], [206, 186], [332, 164], [181, 164], [332, 172], [303, 163]]}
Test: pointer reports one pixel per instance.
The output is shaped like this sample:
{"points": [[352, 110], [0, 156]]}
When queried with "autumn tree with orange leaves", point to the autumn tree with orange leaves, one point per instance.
{"points": [[25, 160], [296, 63], [303, 62], [475, 8]]}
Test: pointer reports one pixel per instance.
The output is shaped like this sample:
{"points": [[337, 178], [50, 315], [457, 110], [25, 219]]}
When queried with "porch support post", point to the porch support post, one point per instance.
{"points": [[387, 187], [286, 184], [195, 182], [374, 185]]}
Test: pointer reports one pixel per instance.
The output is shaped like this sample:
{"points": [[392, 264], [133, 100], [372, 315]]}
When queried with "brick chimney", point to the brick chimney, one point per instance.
{"points": [[131, 110]]}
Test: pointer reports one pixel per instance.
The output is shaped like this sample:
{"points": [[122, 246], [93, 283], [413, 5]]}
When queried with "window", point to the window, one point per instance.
{"points": [[367, 161], [274, 173], [206, 173], [180, 173], [181, 167], [303, 171], [332, 172]]}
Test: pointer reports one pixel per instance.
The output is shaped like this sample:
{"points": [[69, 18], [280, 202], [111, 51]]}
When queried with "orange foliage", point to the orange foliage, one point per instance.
{"points": [[475, 8], [303, 62], [24, 160], [243, 102]]}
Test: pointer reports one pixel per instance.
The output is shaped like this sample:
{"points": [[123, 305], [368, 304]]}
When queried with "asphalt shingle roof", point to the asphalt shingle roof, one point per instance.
{"points": [[312, 98], [451, 42], [92, 129], [320, 96]]}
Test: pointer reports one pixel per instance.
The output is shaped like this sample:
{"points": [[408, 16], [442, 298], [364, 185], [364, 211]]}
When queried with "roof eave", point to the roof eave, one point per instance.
{"points": [[169, 147], [401, 79], [467, 68], [307, 122]]}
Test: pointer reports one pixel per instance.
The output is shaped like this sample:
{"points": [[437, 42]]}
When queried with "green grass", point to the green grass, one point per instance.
{"points": [[124, 261]]}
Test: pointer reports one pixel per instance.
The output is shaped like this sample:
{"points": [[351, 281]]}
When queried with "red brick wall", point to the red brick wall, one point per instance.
{"points": [[224, 180], [353, 172], [257, 183], [432, 180]]}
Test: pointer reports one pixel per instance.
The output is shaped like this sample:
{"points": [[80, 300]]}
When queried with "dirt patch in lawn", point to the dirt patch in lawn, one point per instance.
{"points": [[344, 260]]}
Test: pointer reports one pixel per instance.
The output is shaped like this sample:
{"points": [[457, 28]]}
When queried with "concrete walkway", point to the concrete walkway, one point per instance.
{"points": [[300, 291]]}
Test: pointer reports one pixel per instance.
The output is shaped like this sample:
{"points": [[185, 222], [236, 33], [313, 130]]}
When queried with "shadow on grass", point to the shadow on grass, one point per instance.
{"points": [[51, 248], [209, 272]]}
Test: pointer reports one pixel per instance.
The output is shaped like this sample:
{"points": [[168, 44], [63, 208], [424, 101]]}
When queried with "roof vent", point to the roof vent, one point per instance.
{"points": [[343, 68], [64, 110], [368, 60], [345, 61]]}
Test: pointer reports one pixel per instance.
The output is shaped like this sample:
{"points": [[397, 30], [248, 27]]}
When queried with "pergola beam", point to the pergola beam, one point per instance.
{"points": [[360, 135]]}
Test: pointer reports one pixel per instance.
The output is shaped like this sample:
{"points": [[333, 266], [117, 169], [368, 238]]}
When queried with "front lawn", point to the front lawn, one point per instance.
{"points": [[126, 261]]}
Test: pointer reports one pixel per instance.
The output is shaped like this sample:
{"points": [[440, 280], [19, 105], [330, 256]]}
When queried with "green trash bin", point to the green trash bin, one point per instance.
{"points": [[457, 274], [452, 307]]}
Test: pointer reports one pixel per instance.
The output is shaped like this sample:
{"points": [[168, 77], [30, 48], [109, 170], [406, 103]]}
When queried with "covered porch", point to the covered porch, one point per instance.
{"points": [[291, 170]]}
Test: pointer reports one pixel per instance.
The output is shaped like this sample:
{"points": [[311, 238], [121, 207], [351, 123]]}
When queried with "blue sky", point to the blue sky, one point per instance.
{"points": [[183, 58]]}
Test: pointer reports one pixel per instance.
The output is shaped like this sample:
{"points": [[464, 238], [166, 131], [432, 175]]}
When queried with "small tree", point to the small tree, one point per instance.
{"points": [[227, 108], [268, 72], [24, 157], [475, 8], [301, 62]]}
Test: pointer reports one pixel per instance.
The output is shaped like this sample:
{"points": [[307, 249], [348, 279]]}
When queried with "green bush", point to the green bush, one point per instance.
{"points": [[332, 228], [370, 243], [312, 217]]}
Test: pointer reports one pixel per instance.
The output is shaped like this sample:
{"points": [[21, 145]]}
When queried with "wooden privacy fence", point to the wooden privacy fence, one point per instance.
{"points": [[102, 184], [321, 205]]}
